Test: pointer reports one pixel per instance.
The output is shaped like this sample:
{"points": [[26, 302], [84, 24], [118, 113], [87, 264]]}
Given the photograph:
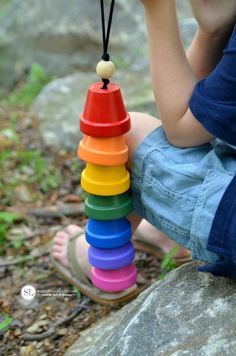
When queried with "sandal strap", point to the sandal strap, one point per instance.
{"points": [[72, 258]]}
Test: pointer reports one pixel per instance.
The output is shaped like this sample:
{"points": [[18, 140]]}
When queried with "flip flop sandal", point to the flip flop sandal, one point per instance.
{"points": [[75, 276], [143, 246]]}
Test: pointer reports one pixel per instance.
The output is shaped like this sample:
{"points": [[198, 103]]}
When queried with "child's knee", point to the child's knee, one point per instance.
{"points": [[141, 126], [143, 122]]}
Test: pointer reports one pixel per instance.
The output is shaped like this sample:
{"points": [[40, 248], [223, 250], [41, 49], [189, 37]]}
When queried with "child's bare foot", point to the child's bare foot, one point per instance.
{"points": [[59, 250]]}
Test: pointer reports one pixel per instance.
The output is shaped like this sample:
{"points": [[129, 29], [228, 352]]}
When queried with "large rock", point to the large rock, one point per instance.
{"points": [[184, 10], [64, 36], [189, 313], [188, 29], [61, 101]]}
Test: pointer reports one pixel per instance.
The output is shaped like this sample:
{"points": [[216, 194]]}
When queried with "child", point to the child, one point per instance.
{"points": [[197, 182], [183, 178]]}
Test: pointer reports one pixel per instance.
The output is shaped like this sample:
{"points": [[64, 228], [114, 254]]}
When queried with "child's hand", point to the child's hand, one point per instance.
{"points": [[215, 17]]}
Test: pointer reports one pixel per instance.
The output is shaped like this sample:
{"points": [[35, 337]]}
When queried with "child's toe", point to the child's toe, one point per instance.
{"points": [[59, 240], [61, 235], [56, 254], [57, 248]]}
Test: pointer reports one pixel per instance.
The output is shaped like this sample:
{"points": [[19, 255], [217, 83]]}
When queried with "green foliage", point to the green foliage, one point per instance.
{"points": [[76, 169], [36, 80], [18, 165], [168, 263], [42, 276], [18, 242], [120, 63], [7, 219], [78, 293], [6, 192], [44, 173], [5, 321], [3, 11], [10, 134], [30, 167]]}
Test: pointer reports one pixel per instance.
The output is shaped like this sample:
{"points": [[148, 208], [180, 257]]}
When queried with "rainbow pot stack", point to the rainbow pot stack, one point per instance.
{"points": [[106, 180]]}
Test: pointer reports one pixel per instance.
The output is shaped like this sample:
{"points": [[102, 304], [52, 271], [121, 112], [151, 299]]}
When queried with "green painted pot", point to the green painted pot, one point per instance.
{"points": [[108, 207]]}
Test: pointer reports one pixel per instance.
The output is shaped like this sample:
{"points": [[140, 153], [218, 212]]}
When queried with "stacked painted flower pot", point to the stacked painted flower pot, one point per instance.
{"points": [[106, 180]]}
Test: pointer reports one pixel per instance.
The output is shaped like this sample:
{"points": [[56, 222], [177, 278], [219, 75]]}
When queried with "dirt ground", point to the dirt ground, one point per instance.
{"points": [[46, 325]]}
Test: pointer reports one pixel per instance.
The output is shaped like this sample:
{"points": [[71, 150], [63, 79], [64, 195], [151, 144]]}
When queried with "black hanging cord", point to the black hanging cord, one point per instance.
{"points": [[106, 36]]}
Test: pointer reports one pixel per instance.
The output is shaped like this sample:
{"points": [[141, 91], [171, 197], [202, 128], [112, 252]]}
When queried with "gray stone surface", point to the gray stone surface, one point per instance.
{"points": [[184, 9], [65, 36], [189, 313], [61, 102], [188, 28]]}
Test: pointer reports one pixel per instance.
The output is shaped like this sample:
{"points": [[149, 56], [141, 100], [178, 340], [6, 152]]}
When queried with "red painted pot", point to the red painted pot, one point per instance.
{"points": [[104, 113]]}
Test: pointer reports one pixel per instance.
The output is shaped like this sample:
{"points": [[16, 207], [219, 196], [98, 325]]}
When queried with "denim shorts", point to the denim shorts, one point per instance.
{"points": [[178, 190]]}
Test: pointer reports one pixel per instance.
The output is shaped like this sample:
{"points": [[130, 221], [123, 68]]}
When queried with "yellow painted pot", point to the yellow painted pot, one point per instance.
{"points": [[101, 180]]}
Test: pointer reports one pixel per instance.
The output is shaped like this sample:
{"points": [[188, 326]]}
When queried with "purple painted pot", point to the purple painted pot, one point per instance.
{"points": [[111, 259]]}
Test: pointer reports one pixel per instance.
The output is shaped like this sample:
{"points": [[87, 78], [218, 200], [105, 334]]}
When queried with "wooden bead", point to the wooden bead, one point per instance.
{"points": [[105, 69]]}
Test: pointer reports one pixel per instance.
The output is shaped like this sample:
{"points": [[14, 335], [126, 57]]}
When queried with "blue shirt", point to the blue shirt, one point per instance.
{"points": [[213, 103]]}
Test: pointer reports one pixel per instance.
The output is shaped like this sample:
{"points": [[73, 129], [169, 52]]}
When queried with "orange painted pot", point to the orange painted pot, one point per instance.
{"points": [[103, 151]]}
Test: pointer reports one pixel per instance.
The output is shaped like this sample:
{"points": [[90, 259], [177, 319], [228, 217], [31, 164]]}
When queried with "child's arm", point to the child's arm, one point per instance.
{"points": [[216, 21], [206, 51], [172, 76]]}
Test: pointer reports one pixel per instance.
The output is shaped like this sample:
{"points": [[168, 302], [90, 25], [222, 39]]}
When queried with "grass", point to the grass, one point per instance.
{"points": [[168, 263], [120, 63], [26, 167], [22, 167], [19, 165], [7, 219], [24, 94], [5, 321]]}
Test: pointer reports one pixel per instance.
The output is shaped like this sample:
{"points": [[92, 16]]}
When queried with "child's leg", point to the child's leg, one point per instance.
{"points": [[142, 125]]}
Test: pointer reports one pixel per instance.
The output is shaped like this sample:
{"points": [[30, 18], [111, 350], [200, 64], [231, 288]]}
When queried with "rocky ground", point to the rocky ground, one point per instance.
{"points": [[40, 194]]}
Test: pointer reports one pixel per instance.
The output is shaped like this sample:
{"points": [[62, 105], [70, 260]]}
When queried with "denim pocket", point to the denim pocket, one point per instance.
{"points": [[170, 194], [166, 209]]}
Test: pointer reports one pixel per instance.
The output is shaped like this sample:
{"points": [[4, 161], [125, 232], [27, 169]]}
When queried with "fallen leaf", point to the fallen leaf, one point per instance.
{"points": [[37, 326], [4, 143], [25, 193]]}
